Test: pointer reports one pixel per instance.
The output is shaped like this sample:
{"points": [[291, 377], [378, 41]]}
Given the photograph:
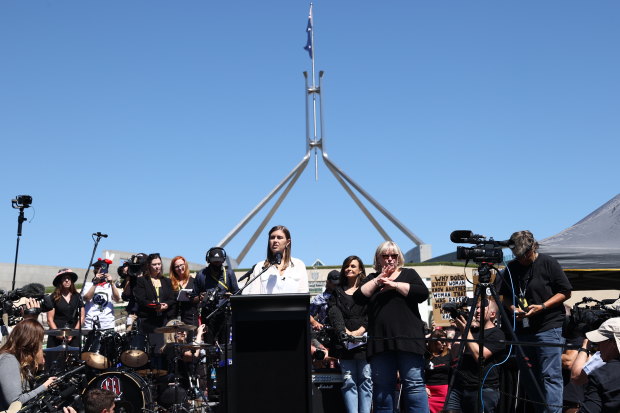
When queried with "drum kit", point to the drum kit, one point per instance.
{"points": [[127, 365]]}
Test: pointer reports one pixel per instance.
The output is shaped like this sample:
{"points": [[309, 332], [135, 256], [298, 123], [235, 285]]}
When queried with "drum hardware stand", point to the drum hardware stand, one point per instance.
{"points": [[96, 238], [484, 285]]}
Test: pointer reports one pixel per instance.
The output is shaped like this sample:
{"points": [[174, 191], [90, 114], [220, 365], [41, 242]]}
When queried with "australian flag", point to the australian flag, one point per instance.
{"points": [[308, 45]]}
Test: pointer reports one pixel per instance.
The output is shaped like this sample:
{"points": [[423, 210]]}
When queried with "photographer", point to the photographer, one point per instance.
{"points": [[100, 296], [212, 284], [541, 288], [602, 392], [464, 395]]}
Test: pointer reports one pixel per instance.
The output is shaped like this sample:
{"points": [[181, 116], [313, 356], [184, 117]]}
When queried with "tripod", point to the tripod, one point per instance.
{"points": [[484, 285]]}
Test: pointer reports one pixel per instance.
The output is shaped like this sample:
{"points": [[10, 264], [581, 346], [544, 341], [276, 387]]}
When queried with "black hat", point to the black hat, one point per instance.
{"points": [[61, 273], [334, 277]]}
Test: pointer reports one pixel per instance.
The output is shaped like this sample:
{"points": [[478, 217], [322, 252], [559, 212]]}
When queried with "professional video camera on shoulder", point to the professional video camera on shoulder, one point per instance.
{"points": [[486, 250], [11, 302]]}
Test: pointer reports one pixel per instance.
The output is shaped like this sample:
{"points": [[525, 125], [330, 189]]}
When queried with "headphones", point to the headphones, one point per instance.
{"points": [[215, 250]]}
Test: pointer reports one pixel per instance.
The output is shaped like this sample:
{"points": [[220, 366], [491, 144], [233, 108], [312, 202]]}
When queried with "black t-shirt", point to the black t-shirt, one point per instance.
{"points": [[394, 322], [437, 370], [344, 312], [539, 281], [467, 375], [602, 392]]}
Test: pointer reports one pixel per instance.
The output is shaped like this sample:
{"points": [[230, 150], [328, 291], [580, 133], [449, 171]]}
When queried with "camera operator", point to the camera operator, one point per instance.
{"points": [[129, 273], [464, 395], [213, 284], [602, 393], [100, 296], [541, 288]]}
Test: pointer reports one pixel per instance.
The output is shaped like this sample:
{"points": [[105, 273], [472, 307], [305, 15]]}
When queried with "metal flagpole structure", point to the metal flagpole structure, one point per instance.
{"points": [[315, 140]]}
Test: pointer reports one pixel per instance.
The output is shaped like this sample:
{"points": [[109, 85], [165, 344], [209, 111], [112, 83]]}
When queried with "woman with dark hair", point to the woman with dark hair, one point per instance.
{"points": [[395, 330], [349, 319], [437, 371], [155, 299], [284, 273], [20, 357], [65, 301], [181, 280]]}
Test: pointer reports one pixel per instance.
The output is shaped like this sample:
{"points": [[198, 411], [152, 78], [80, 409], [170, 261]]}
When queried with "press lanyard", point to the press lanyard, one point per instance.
{"points": [[223, 284]]}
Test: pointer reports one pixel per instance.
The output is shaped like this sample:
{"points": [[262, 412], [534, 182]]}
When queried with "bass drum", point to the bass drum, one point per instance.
{"points": [[133, 394]]}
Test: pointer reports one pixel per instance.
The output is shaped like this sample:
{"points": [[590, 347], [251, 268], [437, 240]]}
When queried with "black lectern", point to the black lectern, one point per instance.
{"points": [[271, 370]]}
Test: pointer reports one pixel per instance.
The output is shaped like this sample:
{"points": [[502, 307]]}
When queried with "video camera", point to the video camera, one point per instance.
{"points": [[486, 250], [134, 266], [15, 312], [457, 308], [589, 314]]}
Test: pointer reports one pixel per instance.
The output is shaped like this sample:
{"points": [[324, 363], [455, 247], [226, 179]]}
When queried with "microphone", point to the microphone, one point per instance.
{"points": [[32, 290], [247, 274], [99, 234], [277, 258], [461, 236]]}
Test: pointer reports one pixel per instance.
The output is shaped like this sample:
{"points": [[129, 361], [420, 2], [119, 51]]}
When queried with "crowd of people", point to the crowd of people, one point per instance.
{"points": [[367, 325]]}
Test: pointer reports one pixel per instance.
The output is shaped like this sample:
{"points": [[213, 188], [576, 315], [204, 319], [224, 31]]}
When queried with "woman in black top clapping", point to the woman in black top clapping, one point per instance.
{"points": [[349, 319], [395, 330]]}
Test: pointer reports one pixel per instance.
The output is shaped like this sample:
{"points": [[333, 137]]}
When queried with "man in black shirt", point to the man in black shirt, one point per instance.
{"points": [[464, 396], [540, 288], [214, 284], [602, 392]]}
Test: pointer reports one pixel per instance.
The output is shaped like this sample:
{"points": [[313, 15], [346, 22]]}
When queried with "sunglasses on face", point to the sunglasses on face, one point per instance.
{"points": [[392, 256]]}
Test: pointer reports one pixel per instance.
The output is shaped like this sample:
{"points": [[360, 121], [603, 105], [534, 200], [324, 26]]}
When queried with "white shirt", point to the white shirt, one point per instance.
{"points": [[105, 311], [294, 280]]}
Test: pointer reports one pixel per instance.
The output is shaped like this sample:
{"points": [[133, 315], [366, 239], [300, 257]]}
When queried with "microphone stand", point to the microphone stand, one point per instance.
{"points": [[98, 235], [221, 305]]}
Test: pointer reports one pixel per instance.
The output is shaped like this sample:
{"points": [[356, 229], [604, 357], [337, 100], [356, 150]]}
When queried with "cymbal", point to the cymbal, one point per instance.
{"points": [[60, 348], [67, 332], [174, 328], [151, 372]]}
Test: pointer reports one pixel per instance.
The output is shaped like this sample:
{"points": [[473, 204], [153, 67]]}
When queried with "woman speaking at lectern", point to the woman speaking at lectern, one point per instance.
{"points": [[284, 274]]}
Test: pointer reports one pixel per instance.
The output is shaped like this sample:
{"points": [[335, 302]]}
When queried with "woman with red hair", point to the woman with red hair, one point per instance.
{"points": [[21, 356], [181, 280]]}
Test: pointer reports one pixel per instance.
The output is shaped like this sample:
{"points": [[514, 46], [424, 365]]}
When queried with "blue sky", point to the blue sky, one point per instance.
{"points": [[163, 123]]}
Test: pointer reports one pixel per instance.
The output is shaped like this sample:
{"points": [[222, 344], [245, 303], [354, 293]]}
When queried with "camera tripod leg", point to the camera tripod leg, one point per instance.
{"points": [[520, 353], [470, 318]]}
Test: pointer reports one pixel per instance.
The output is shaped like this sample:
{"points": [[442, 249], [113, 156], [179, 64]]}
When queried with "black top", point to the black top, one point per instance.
{"points": [[539, 281], [394, 321], [146, 294], [603, 389], [437, 370], [66, 314], [188, 310], [344, 312], [467, 375]]}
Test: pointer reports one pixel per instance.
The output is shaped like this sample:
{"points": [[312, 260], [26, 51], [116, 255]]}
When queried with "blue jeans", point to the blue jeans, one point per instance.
{"points": [[411, 369], [465, 400], [547, 368], [357, 386]]}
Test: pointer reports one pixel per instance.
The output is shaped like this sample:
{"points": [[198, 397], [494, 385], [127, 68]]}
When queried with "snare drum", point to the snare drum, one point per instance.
{"points": [[100, 349], [133, 394], [135, 349]]}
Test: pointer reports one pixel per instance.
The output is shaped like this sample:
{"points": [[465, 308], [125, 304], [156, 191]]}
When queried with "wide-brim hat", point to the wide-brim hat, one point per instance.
{"points": [[63, 272]]}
